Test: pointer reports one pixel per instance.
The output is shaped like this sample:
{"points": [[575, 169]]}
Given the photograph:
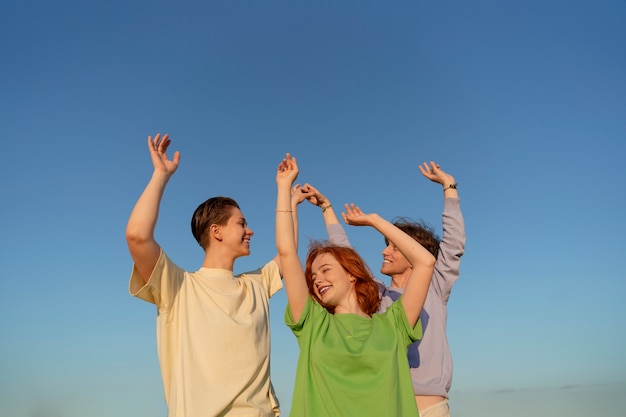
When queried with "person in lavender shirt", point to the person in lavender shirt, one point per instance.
{"points": [[430, 359]]}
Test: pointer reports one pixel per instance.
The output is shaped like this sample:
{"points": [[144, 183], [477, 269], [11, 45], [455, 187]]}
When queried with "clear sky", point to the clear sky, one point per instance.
{"points": [[524, 102]]}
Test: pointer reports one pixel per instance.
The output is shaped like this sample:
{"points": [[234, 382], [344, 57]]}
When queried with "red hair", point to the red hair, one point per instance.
{"points": [[366, 288]]}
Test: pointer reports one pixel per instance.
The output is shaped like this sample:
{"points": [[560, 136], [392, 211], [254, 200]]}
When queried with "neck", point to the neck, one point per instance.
{"points": [[400, 280], [217, 259], [351, 306]]}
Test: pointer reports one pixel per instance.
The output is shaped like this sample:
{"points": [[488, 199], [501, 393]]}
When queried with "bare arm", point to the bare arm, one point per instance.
{"points": [[143, 247], [293, 274], [422, 261], [298, 195], [336, 233]]}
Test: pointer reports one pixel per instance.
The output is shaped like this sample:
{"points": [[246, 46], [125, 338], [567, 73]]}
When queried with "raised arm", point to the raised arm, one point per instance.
{"points": [[336, 233], [298, 195], [143, 247], [291, 267], [452, 244], [422, 261]]}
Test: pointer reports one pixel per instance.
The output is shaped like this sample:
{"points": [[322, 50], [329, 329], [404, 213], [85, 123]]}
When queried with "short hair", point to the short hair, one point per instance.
{"points": [[366, 288], [421, 232], [215, 210]]}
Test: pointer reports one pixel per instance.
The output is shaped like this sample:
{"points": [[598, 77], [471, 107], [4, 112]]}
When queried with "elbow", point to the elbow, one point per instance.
{"points": [[135, 238], [428, 261], [284, 251]]}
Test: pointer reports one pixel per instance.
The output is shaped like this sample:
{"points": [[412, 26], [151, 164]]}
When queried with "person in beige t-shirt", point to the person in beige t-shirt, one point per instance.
{"points": [[212, 326]]}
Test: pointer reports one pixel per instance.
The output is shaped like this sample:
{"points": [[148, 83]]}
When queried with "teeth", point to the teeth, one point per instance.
{"points": [[323, 289]]}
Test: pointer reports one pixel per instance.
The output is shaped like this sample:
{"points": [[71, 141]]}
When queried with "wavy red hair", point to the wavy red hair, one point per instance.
{"points": [[366, 288]]}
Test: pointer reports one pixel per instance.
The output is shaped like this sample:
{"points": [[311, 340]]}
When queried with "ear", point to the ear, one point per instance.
{"points": [[351, 278], [216, 232]]}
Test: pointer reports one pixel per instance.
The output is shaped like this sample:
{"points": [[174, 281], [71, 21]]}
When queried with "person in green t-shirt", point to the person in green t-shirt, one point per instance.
{"points": [[353, 360]]}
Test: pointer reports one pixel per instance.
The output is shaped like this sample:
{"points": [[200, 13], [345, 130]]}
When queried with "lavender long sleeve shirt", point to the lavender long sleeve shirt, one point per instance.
{"points": [[430, 359]]}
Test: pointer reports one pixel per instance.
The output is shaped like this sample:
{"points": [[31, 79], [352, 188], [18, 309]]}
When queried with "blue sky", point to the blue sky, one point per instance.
{"points": [[524, 102]]}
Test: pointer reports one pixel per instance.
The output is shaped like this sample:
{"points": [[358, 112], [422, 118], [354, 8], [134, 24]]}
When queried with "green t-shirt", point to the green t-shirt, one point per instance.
{"points": [[351, 365]]}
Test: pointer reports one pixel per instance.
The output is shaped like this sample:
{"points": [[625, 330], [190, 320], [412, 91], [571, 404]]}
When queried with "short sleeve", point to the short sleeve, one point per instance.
{"points": [[296, 328], [163, 284], [269, 276], [409, 334]]}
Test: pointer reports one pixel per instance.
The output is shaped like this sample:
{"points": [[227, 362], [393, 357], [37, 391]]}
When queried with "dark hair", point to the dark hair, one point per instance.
{"points": [[366, 288], [420, 232], [215, 210]]}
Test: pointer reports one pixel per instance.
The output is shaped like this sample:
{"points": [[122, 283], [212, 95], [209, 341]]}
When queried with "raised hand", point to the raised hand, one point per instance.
{"points": [[434, 173], [299, 194], [354, 216], [158, 153], [287, 171], [314, 196]]}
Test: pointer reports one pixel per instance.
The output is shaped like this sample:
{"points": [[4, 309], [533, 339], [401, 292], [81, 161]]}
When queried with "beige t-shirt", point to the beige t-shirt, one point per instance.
{"points": [[213, 338]]}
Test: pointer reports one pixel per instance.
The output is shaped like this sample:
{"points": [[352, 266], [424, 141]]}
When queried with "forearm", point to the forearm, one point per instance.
{"points": [[294, 220], [452, 244], [335, 231], [143, 218], [450, 191], [328, 213], [285, 219]]}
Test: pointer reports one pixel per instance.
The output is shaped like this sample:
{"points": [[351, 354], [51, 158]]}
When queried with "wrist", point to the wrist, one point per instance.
{"points": [[325, 207], [453, 186]]}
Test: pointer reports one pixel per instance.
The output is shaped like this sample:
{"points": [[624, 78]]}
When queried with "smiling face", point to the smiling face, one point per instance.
{"points": [[235, 234], [338, 277], [394, 262], [332, 284]]}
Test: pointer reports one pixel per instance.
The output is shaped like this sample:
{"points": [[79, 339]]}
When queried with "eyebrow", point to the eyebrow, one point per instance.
{"points": [[323, 265], [241, 219]]}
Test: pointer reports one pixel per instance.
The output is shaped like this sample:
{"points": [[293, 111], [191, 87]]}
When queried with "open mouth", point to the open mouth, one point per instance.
{"points": [[323, 289]]}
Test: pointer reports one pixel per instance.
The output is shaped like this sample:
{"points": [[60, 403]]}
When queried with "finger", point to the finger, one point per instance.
{"points": [[161, 144], [165, 140], [158, 140], [165, 143]]}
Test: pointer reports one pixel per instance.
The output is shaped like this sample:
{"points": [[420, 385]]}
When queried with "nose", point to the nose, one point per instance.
{"points": [[249, 231]]}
